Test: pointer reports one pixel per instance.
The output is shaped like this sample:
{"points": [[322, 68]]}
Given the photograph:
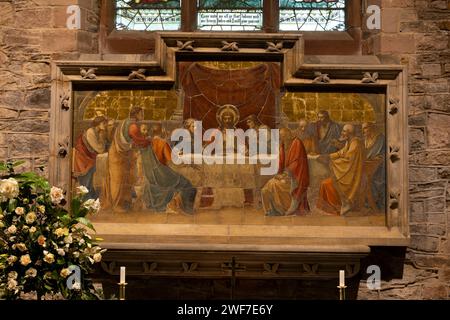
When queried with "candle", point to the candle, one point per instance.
{"points": [[341, 278], [122, 274]]}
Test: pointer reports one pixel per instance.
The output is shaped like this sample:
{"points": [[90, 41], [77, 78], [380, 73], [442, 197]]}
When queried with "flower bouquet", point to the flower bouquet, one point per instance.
{"points": [[46, 251]]}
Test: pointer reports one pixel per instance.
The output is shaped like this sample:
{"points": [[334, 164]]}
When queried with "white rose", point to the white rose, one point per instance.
{"points": [[9, 189], [30, 217], [2, 225], [61, 232], [32, 230], [29, 296], [19, 211], [12, 275], [65, 273], [11, 259], [21, 246], [76, 254], [97, 257], [12, 284], [31, 273], [49, 258], [12, 229], [41, 208], [61, 252], [25, 260], [56, 194], [1, 215], [82, 241], [82, 190], [92, 205], [68, 239]]}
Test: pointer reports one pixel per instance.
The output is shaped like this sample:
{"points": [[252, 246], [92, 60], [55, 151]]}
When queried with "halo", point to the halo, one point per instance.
{"points": [[228, 108]]}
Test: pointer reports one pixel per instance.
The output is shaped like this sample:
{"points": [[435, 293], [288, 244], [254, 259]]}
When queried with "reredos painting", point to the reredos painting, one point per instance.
{"points": [[228, 145]]}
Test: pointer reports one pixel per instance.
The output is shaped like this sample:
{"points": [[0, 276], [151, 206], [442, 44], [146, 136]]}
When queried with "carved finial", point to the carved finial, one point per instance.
{"points": [[393, 105], [88, 74], [370, 78], [150, 267], [65, 101], [229, 46], [393, 153], [321, 77], [137, 75], [271, 268], [310, 268], [108, 267], [394, 196], [189, 267], [272, 47], [185, 46]]}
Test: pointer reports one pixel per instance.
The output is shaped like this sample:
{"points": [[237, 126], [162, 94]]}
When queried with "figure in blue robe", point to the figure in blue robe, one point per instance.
{"points": [[375, 145], [328, 133], [164, 183]]}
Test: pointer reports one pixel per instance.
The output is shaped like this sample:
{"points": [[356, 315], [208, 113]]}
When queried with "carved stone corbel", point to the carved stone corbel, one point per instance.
{"points": [[137, 74], [393, 153], [88, 74], [393, 105], [321, 77], [185, 46], [370, 78], [394, 196], [229, 46], [272, 47], [65, 101], [63, 148]]}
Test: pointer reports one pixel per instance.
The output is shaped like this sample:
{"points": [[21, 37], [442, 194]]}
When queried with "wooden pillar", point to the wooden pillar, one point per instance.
{"points": [[271, 13], [188, 15]]}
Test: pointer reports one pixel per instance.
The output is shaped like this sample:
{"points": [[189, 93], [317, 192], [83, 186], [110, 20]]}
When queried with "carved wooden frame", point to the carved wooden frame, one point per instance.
{"points": [[304, 240]]}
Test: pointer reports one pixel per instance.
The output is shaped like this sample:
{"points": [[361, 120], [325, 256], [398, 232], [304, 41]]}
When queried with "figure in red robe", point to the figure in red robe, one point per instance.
{"points": [[286, 193]]}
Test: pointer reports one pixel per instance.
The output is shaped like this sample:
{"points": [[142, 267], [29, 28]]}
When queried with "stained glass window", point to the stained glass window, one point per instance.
{"points": [[230, 15], [312, 15], [149, 15]]}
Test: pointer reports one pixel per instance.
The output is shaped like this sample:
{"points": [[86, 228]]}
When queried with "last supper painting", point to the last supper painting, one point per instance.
{"points": [[229, 145]]}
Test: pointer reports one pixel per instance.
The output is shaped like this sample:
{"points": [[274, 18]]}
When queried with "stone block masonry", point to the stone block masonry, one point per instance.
{"points": [[32, 34], [416, 33]]}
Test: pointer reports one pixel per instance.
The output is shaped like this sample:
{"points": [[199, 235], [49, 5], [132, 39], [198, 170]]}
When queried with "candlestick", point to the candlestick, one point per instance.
{"points": [[342, 285], [341, 278], [122, 274], [122, 286], [342, 292]]}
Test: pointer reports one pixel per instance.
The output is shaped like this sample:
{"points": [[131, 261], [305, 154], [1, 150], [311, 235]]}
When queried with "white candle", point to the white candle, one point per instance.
{"points": [[342, 278], [122, 274]]}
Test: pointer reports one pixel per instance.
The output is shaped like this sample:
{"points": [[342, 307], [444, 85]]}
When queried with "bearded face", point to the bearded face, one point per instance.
{"points": [[228, 120]]}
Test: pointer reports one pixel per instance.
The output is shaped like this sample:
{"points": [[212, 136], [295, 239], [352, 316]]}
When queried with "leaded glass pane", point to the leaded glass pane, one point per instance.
{"points": [[312, 15], [230, 15], [149, 15]]}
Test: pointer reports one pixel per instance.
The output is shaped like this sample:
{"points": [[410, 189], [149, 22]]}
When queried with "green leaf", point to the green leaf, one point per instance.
{"points": [[18, 163], [76, 205], [86, 222]]}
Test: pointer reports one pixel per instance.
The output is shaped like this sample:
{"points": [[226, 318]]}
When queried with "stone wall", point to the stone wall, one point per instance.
{"points": [[32, 34], [416, 33]]}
